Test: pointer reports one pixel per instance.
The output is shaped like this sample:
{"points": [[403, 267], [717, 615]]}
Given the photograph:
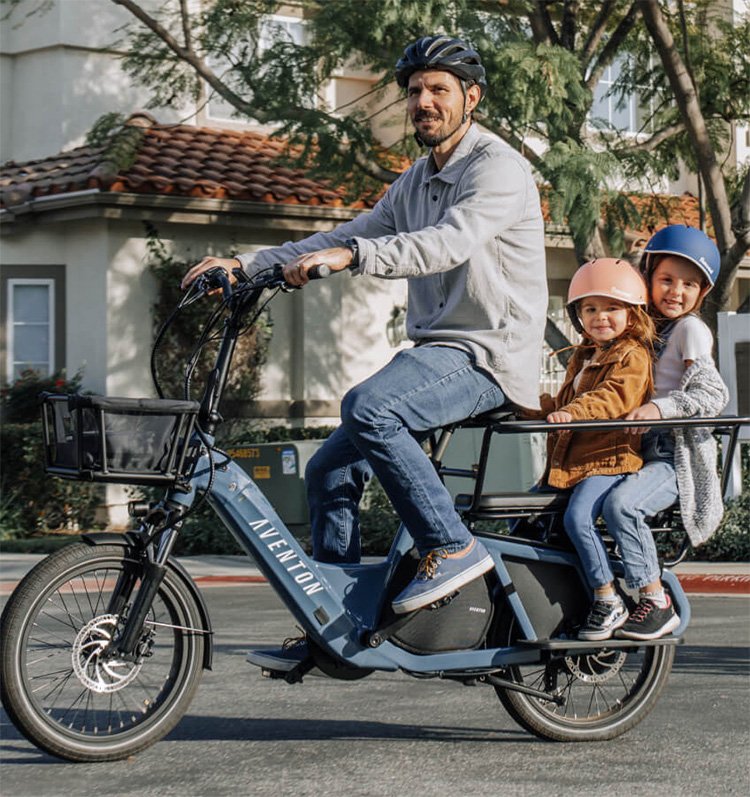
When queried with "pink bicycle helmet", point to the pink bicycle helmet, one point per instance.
{"points": [[606, 276]]}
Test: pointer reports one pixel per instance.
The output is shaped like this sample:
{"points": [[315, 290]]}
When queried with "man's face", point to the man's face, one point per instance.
{"points": [[435, 103]]}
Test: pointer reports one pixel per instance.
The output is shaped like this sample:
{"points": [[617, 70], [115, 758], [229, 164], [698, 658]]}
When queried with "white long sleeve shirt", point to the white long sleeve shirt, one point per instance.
{"points": [[469, 238]]}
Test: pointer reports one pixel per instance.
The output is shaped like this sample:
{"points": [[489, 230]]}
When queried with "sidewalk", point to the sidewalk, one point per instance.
{"points": [[703, 578]]}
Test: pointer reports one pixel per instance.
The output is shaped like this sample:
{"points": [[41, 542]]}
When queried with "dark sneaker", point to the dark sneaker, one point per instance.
{"points": [[440, 574], [284, 659], [604, 617], [649, 621]]}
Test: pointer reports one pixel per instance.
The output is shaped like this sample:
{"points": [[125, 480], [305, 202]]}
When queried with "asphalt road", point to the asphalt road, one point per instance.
{"points": [[391, 735]]}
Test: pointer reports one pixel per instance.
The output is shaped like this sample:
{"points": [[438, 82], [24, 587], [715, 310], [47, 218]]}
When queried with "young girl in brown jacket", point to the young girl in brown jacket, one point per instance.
{"points": [[608, 376]]}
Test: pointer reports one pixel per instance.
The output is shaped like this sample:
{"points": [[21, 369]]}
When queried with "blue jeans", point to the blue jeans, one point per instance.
{"points": [[584, 507], [383, 420], [639, 496]]}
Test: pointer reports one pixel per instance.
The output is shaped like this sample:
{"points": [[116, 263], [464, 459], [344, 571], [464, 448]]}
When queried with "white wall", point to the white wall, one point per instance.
{"points": [[60, 74]]}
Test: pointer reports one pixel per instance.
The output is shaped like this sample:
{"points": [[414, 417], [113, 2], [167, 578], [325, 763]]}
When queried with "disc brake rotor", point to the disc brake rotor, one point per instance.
{"points": [[95, 671], [596, 668]]}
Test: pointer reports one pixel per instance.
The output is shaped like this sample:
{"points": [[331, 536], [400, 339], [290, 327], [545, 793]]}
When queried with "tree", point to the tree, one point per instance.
{"points": [[546, 63]]}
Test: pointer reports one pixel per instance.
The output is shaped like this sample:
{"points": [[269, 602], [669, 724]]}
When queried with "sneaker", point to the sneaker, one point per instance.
{"points": [[649, 621], [284, 659], [441, 574], [604, 617]]}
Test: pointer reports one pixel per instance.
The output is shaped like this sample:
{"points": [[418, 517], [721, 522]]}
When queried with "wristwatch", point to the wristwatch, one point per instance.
{"points": [[352, 244]]}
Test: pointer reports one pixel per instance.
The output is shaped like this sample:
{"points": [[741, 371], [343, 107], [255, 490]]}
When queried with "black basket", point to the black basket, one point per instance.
{"points": [[123, 440]]}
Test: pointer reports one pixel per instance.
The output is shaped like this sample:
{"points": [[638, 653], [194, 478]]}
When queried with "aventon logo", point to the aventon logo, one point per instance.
{"points": [[279, 547]]}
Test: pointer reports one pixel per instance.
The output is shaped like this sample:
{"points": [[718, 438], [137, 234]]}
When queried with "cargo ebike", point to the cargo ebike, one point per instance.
{"points": [[104, 641]]}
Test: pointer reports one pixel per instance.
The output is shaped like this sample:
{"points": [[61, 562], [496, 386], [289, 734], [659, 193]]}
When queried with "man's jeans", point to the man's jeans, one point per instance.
{"points": [[383, 421], [639, 496]]}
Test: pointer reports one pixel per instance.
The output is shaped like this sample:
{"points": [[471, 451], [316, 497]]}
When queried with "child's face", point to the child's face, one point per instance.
{"points": [[676, 286], [603, 319]]}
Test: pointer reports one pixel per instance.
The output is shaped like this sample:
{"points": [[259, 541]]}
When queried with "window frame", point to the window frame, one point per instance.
{"points": [[15, 276]]}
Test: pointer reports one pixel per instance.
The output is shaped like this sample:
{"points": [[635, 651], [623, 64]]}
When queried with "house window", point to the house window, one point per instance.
{"points": [[620, 110], [272, 29], [31, 325], [32, 320]]}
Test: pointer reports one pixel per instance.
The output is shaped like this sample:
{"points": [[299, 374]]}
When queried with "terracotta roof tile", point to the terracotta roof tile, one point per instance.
{"points": [[179, 160]]}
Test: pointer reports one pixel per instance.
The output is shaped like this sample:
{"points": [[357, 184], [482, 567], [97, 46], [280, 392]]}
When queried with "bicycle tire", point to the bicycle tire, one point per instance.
{"points": [[60, 693], [606, 693]]}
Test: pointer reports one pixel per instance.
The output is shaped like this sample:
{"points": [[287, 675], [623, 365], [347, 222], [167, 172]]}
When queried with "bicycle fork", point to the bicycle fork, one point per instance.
{"points": [[152, 573]]}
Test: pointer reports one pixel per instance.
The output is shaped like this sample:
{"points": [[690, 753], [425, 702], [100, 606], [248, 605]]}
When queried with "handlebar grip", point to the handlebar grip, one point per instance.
{"points": [[319, 272]]}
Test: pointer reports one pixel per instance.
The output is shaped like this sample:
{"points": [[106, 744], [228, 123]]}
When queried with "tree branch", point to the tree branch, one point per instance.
{"points": [[369, 166], [596, 32], [651, 143], [542, 28], [611, 48]]}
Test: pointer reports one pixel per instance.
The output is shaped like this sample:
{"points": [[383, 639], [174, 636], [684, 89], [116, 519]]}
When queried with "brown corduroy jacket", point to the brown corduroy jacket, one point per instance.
{"points": [[617, 382]]}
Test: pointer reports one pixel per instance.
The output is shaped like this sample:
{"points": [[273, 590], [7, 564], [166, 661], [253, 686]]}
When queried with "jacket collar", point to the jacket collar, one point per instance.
{"points": [[613, 353], [453, 168]]}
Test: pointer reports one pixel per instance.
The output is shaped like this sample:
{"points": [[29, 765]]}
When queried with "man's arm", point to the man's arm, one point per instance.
{"points": [[493, 197]]}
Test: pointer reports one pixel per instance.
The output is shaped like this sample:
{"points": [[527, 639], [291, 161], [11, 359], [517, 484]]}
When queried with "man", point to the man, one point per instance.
{"points": [[464, 226]]}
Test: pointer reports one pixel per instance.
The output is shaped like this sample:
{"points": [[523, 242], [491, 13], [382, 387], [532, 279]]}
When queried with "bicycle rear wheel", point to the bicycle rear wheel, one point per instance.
{"points": [[606, 692], [60, 686]]}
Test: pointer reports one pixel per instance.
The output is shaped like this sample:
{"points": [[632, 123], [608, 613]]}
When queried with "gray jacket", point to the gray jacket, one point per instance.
{"points": [[470, 240], [702, 392]]}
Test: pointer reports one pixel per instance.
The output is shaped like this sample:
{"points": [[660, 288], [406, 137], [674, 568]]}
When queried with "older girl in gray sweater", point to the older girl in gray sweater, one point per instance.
{"points": [[680, 264]]}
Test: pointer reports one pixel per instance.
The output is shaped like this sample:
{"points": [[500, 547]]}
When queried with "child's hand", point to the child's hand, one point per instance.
{"points": [[559, 416], [646, 412]]}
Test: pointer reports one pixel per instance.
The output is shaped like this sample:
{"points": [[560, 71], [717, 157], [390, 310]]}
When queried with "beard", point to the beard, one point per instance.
{"points": [[432, 140]]}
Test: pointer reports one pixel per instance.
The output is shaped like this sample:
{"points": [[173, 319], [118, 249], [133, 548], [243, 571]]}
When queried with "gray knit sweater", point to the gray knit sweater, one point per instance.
{"points": [[702, 393]]}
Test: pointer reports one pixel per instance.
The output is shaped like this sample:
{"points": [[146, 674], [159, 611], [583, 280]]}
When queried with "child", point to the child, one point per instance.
{"points": [[608, 376], [680, 265]]}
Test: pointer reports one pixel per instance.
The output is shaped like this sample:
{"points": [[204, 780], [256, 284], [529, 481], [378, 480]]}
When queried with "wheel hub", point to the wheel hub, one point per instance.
{"points": [[596, 668], [96, 671]]}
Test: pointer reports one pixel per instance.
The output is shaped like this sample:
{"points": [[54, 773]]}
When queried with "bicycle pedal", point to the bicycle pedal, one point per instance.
{"points": [[443, 601]]}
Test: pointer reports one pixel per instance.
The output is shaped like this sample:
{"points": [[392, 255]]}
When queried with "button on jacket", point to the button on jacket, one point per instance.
{"points": [[469, 238], [610, 388]]}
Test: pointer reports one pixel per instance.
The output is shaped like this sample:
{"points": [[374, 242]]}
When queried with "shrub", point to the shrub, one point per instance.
{"points": [[32, 502]]}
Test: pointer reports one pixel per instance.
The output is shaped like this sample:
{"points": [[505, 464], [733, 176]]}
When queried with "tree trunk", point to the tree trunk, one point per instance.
{"points": [[732, 247]]}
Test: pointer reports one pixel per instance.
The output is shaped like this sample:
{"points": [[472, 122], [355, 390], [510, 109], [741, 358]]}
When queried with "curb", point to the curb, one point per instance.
{"points": [[715, 584]]}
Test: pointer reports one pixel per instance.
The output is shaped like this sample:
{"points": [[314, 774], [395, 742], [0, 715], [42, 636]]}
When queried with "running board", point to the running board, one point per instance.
{"points": [[584, 645]]}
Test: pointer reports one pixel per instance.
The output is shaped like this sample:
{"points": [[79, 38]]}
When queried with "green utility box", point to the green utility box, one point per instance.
{"points": [[279, 471], [516, 461]]}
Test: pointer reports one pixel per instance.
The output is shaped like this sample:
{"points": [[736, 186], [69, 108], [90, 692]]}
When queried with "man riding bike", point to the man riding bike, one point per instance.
{"points": [[464, 226]]}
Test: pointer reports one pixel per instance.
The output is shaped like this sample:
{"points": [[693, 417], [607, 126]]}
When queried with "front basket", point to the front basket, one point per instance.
{"points": [[123, 440]]}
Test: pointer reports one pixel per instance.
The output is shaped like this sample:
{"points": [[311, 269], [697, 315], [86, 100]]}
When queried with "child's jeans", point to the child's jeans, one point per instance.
{"points": [[639, 496], [584, 507]]}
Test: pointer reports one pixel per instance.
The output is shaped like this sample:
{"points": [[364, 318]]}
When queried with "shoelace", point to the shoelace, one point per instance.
{"points": [[429, 563], [293, 641], [642, 610]]}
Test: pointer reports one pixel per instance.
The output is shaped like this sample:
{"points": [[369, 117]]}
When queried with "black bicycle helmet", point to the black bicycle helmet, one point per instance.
{"points": [[444, 53]]}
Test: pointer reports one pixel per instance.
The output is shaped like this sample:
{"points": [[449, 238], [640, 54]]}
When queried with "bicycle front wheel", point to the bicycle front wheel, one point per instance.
{"points": [[62, 688]]}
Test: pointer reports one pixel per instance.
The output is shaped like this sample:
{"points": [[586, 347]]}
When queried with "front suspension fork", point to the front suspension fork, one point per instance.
{"points": [[152, 572]]}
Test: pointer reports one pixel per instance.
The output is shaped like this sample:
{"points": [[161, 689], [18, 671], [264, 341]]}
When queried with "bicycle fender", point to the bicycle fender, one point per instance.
{"points": [[127, 541]]}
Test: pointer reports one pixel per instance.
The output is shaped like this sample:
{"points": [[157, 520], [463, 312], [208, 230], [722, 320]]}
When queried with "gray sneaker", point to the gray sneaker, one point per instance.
{"points": [[604, 618]]}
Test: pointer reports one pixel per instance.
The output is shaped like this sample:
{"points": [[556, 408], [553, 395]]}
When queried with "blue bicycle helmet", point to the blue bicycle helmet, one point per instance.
{"points": [[444, 53], [688, 242]]}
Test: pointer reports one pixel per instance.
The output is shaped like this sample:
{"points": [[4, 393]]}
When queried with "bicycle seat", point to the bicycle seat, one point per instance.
{"points": [[504, 412], [508, 503]]}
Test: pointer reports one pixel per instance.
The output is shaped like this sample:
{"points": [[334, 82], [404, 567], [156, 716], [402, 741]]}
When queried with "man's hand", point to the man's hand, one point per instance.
{"points": [[337, 259], [559, 416], [208, 262], [646, 412]]}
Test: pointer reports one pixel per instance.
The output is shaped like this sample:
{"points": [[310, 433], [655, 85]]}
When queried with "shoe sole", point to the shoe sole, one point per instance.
{"points": [[667, 628], [445, 588], [261, 659], [599, 636]]}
